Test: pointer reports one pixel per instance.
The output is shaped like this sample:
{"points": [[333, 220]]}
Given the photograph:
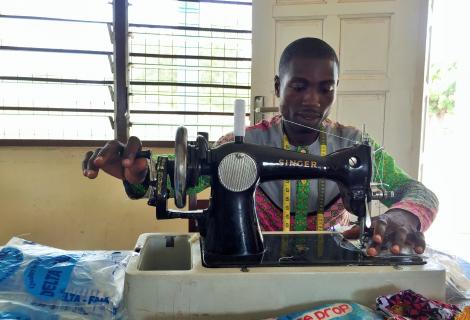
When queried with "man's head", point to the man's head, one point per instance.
{"points": [[307, 81]]}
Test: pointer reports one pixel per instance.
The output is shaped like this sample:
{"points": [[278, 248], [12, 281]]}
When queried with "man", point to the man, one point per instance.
{"points": [[306, 88]]}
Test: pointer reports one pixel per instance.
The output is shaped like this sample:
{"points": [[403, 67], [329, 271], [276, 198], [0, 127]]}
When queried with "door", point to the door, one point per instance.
{"points": [[381, 45]]}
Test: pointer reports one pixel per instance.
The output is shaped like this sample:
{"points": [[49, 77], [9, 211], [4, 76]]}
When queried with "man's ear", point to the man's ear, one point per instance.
{"points": [[277, 85]]}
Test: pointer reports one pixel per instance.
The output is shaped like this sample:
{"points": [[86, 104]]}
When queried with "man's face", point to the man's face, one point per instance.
{"points": [[307, 90]]}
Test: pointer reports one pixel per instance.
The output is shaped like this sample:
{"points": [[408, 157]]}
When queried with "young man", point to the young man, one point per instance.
{"points": [[306, 88]]}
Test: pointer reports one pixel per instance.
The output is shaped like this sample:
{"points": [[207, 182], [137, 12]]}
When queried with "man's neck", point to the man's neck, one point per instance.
{"points": [[298, 136]]}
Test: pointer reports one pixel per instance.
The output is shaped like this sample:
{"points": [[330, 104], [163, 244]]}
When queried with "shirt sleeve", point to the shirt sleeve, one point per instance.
{"points": [[229, 137], [409, 194]]}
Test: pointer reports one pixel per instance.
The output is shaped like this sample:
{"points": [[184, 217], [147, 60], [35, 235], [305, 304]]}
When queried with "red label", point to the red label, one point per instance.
{"points": [[331, 312]]}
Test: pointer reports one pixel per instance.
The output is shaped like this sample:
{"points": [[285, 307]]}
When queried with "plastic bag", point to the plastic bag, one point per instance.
{"points": [[88, 283], [341, 310], [457, 275], [13, 310]]}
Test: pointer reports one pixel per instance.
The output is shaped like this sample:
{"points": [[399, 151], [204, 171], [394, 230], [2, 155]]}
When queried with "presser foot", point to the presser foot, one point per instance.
{"points": [[365, 234]]}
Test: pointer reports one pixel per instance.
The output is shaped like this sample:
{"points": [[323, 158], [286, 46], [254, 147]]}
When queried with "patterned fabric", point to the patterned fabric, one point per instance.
{"points": [[270, 216], [135, 191], [408, 304]]}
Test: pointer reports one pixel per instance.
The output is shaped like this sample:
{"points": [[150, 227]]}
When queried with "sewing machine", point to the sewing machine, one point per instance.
{"points": [[233, 270]]}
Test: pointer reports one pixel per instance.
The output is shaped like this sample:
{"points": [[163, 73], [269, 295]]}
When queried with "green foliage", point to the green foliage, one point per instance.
{"points": [[442, 89]]}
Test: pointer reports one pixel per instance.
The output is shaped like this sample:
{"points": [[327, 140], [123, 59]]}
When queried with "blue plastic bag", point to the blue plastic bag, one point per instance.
{"points": [[36, 278]]}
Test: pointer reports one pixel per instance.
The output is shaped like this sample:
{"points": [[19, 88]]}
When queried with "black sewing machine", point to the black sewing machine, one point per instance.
{"points": [[229, 228]]}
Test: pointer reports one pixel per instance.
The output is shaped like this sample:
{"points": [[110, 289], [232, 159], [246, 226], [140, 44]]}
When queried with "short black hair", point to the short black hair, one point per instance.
{"points": [[306, 48]]}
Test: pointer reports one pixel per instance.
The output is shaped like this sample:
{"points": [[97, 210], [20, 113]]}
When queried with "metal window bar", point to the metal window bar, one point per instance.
{"points": [[131, 54], [10, 16], [94, 110]]}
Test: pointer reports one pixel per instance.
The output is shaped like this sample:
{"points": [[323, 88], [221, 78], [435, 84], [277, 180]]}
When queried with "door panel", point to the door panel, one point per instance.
{"points": [[352, 107], [364, 47], [288, 29]]}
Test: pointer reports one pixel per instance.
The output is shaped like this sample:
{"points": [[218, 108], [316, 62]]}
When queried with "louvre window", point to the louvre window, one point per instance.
{"points": [[188, 61]]}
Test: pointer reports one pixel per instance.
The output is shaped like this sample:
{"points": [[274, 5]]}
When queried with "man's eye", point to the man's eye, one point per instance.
{"points": [[297, 86], [328, 88]]}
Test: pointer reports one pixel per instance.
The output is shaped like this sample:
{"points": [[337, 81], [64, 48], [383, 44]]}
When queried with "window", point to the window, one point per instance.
{"points": [[54, 70], [187, 64], [188, 69]]}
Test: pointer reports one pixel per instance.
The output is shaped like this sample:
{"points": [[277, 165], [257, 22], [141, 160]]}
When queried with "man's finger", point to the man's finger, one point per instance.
{"points": [[92, 169], [399, 239], [380, 228], [137, 172], [109, 152], [133, 146], [85, 162], [417, 241], [374, 249], [138, 167]]}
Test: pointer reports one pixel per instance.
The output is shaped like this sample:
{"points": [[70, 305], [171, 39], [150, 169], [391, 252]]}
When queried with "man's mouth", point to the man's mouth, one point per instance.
{"points": [[309, 115]]}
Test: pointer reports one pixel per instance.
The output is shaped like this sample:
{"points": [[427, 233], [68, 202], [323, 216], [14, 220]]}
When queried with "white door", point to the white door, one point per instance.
{"points": [[381, 45]]}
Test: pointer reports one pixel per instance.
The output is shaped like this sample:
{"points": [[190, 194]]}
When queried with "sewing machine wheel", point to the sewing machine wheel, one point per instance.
{"points": [[181, 163]]}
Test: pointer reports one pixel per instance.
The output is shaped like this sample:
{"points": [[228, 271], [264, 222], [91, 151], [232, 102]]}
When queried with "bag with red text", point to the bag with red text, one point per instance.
{"points": [[342, 310]]}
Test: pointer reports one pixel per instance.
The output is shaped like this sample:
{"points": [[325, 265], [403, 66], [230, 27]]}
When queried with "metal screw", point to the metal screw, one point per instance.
{"points": [[353, 162]]}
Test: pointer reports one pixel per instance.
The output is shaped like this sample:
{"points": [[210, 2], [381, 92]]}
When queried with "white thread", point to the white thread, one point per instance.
{"points": [[380, 174], [318, 130]]}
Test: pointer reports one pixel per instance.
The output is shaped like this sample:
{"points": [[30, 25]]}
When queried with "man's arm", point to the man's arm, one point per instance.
{"points": [[119, 160], [411, 210], [141, 190], [410, 195]]}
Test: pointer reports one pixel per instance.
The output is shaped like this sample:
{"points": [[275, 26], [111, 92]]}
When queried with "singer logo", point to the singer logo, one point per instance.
{"points": [[298, 163], [331, 312]]}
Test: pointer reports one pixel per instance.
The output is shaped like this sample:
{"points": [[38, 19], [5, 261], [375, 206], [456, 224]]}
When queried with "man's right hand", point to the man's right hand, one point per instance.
{"points": [[118, 160]]}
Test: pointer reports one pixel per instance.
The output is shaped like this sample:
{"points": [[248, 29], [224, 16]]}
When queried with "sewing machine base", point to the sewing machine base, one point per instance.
{"points": [[307, 249], [167, 279]]}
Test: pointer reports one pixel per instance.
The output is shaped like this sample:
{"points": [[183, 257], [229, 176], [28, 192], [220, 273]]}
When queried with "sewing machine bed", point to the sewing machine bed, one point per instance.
{"points": [[167, 279], [317, 249]]}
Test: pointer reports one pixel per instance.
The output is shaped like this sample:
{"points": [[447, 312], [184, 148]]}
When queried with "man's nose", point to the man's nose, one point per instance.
{"points": [[311, 98]]}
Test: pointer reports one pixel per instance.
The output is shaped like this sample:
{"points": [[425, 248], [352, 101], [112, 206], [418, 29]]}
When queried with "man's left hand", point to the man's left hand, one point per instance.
{"points": [[397, 226]]}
